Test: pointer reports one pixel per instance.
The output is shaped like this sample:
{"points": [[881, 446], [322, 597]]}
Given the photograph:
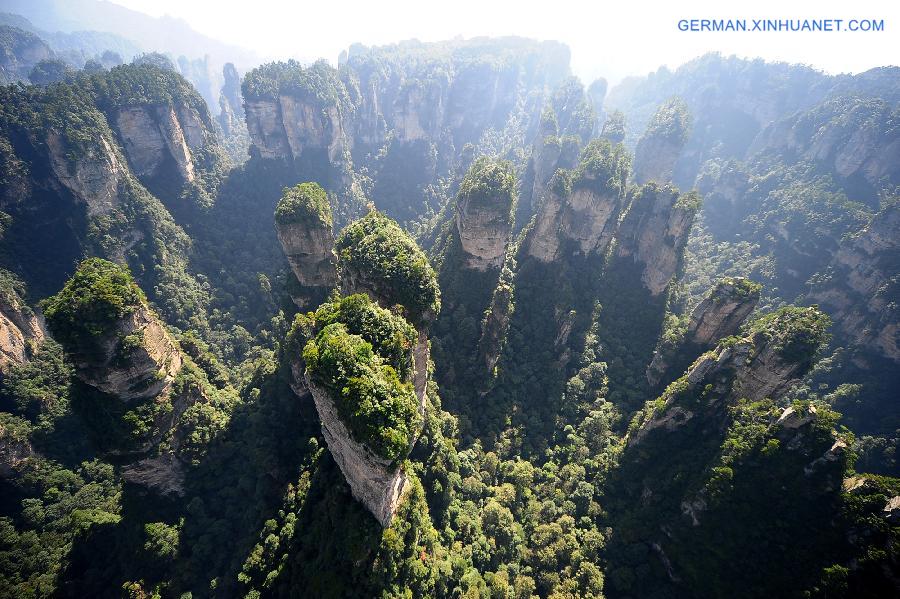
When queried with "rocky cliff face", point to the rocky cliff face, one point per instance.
{"points": [[286, 126], [310, 252], [93, 178], [862, 289], [659, 148], [723, 311], [851, 136], [136, 360], [375, 482], [304, 227], [153, 135], [579, 217], [19, 51], [231, 103], [655, 231], [654, 160], [766, 362], [484, 215], [719, 315], [20, 330]]}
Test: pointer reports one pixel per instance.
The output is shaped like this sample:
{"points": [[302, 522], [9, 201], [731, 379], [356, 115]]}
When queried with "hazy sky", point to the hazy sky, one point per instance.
{"points": [[612, 39]]}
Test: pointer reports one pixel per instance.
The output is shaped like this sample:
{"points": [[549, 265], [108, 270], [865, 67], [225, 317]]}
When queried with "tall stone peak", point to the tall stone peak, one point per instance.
{"points": [[161, 121], [723, 311], [377, 257], [773, 354], [484, 208], [860, 285], [303, 223], [118, 345], [366, 371], [292, 110], [719, 315], [659, 148], [580, 210], [655, 231]]}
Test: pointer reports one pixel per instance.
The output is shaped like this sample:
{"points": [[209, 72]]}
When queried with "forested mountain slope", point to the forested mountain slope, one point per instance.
{"points": [[457, 326]]}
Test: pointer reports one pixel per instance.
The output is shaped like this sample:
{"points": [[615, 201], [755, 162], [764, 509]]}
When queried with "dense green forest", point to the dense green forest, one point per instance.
{"points": [[445, 321]]}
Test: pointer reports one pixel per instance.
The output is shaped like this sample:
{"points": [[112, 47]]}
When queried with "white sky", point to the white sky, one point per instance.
{"points": [[610, 39]]}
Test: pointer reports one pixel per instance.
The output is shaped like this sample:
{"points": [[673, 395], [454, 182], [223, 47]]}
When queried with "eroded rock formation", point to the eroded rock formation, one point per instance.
{"points": [[659, 148], [373, 470], [20, 331], [849, 135], [719, 315], [774, 354], [580, 210], [290, 122], [304, 228], [154, 135], [376, 482], [861, 291], [137, 359], [655, 231], [484, 214], [93, 178]]}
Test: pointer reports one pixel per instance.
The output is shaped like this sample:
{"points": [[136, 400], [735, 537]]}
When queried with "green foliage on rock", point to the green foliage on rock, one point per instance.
{"points": [[380, 410], [305, 203], [391, 336], [377, 250], [96, 298], [318, 82], [672, 122], [798, 333], [603, 168], [488, 182]]}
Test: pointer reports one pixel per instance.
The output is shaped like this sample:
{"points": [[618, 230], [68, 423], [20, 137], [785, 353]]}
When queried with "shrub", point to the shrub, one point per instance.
{"points": [[305, 203], [386, 256], [378, 408]]}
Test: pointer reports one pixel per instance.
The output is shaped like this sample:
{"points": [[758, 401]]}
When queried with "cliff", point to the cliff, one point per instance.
{"points": [[719, 315], [93, 179], [654, 232], [303, 224], [370, 425], [399, 114], [484, 207], [117, 344], [851, 136], [566, 125], [231, 103], [155, 135], [580, 210], [21, 330], [774, 353], [19, 51], [163, 125], [859, 288], [659, 148], [292, 111]]}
